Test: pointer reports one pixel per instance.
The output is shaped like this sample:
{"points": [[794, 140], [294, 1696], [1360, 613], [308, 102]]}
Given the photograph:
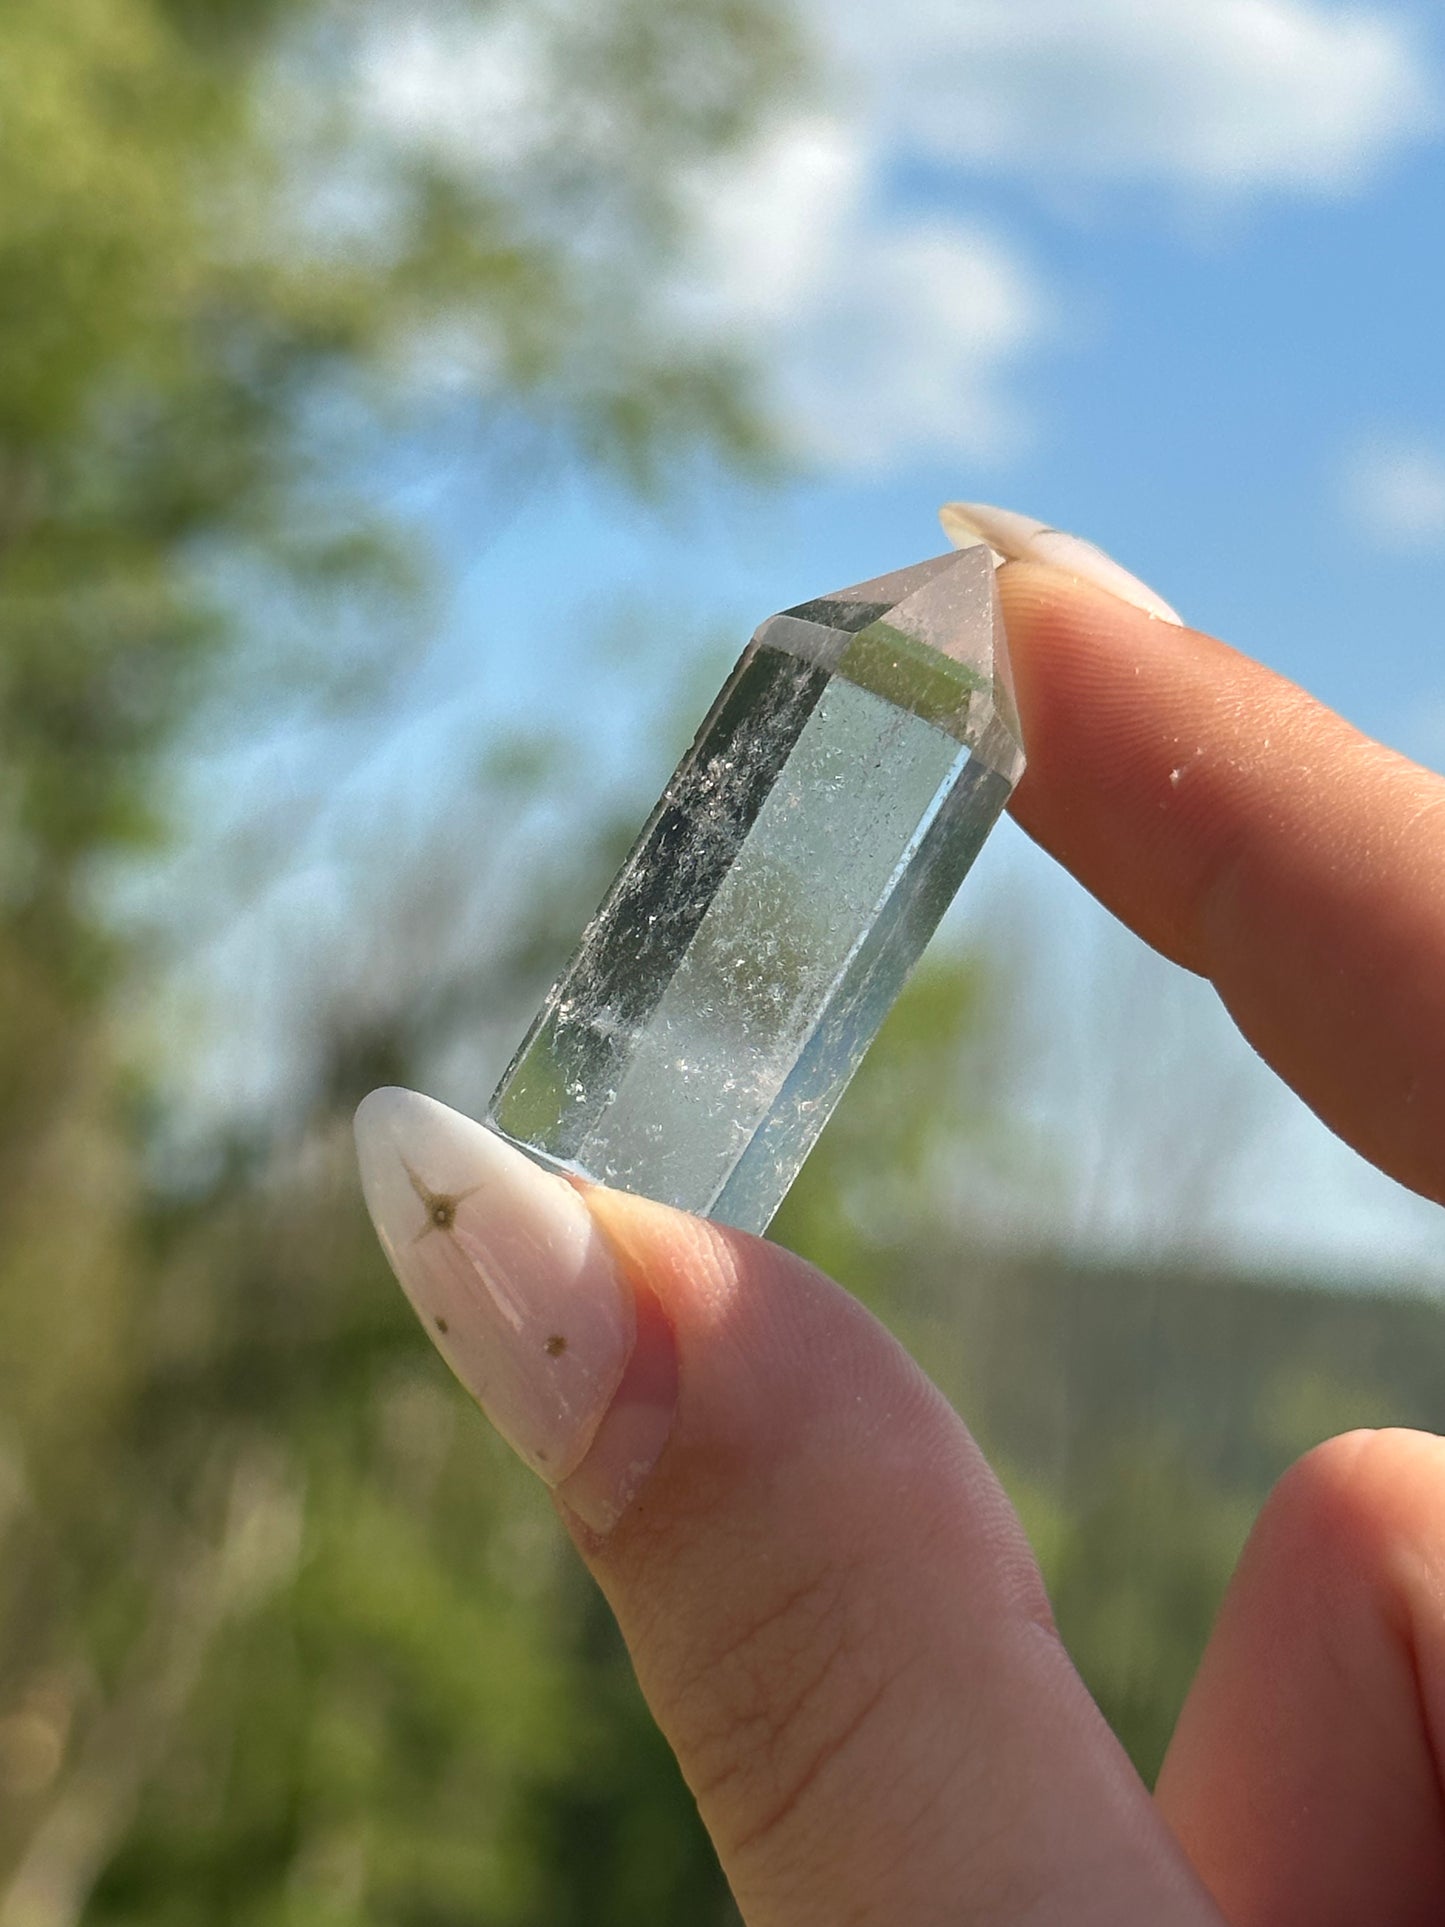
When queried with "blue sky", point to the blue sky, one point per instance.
{"points": [[1170, 273]]}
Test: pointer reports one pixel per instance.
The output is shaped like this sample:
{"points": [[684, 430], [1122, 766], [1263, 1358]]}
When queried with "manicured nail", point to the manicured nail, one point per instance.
{"points": [[517, 1288], [1019, 538]]}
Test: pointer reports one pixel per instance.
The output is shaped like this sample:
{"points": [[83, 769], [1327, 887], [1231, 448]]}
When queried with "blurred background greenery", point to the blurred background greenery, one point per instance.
{"points": [[286, 1640]]}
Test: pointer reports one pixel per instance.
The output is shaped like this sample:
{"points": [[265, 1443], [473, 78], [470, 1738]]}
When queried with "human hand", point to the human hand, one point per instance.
{"points": [[830, 1604]]}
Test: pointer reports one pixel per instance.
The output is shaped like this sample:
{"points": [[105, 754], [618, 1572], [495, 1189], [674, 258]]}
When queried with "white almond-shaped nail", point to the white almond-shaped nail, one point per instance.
{"points": [[1020, 538], [505, 1269]]}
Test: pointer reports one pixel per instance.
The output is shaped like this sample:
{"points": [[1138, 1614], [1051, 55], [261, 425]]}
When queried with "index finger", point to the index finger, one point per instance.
{"points": [[1250, 834]]}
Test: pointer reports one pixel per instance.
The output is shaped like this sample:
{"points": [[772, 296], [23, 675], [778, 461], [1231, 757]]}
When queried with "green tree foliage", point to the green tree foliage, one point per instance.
{"points": [[222, 276]]}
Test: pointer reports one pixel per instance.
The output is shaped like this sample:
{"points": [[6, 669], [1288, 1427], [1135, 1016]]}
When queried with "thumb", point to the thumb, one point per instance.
{"points": [[831, 1607]]}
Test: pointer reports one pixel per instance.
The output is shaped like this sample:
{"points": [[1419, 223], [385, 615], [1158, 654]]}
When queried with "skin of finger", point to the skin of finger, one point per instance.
{"points": [[1304, 1778], [1248, 833], [838, 1624]]}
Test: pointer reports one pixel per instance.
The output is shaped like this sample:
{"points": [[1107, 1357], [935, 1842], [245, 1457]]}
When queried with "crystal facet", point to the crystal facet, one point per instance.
{"points": [[796, 865]]}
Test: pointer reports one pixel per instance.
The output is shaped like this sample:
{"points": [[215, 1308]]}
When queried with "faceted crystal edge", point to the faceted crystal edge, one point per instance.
{"points": [[870, 644]]}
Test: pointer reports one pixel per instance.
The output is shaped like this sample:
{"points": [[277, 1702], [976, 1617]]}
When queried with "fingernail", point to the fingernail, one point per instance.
{"points": [[518, 1290], [1019, 538]]}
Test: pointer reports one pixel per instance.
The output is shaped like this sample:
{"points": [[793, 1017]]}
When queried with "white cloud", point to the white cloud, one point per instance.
{"points": [[887, 338], [909, 346], [883, 338], [1394, 491], [1223, 96], [768, 221], [472, 91]]}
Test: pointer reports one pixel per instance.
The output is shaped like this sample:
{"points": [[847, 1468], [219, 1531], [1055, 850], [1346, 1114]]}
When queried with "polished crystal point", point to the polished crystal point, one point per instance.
{"points": [[796, 865]]}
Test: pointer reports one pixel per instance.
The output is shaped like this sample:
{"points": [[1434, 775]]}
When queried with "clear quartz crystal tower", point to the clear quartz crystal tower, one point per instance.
{"points": [[795, 867]]}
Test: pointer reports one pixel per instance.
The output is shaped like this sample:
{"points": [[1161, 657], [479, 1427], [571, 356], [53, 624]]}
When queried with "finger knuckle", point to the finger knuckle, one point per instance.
{"points": [[789, 1688]]}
